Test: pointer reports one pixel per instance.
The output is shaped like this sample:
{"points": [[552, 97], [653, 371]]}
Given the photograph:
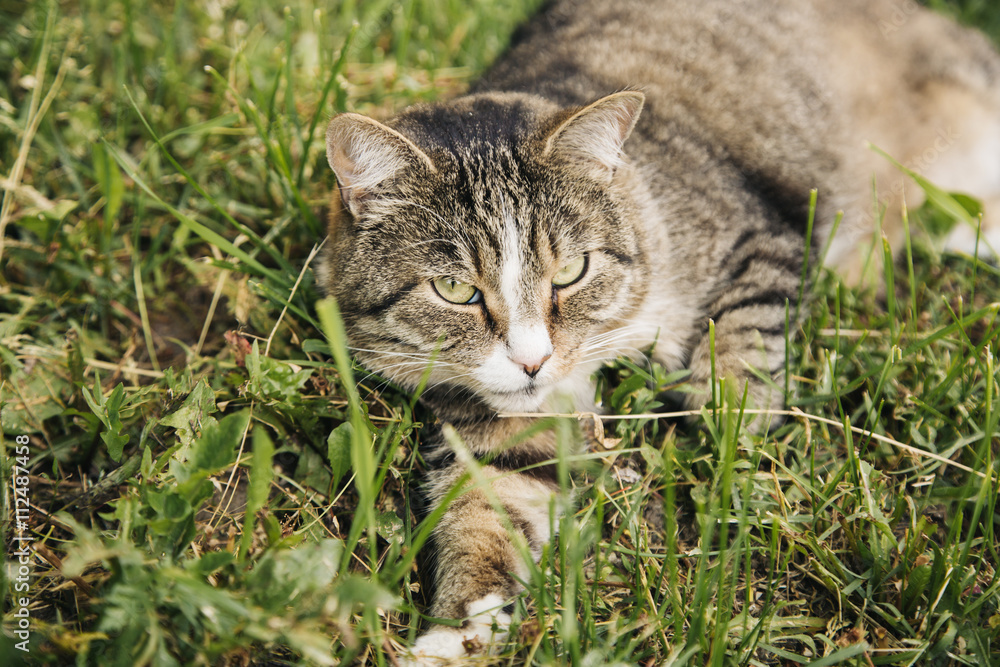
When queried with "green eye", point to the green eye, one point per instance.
{"points": [[570, 273], [454, 291]]}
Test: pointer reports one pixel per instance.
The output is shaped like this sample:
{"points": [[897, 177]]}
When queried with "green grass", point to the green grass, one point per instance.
{"points": [[208, 487]]}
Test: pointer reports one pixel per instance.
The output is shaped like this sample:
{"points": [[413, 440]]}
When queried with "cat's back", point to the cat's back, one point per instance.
{"points": [[729, 85], [749, 66], [773, 98], [576, 48]]}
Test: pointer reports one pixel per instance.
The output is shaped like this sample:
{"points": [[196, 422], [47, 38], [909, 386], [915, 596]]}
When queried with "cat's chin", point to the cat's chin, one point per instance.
{"points": [[527, 400]]}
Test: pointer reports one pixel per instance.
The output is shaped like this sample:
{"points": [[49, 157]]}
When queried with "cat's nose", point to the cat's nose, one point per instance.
{"points": [[529, 347], [531, 367]]}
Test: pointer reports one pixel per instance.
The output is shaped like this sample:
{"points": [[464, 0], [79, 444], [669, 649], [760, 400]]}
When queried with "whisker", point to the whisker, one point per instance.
{"points": [[604, 342], [389, 353], [406, 364], [617, 332], [451, 378], [610, 354]]}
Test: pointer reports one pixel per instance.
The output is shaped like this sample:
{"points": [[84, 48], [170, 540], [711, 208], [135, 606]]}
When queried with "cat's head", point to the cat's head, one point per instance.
{"points": [[496, 231]]}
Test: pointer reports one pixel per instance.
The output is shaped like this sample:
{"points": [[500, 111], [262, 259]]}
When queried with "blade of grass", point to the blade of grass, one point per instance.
{"points": [[909, 267], [362, 458], [331, 80], [821, 262], [259, 243], [37, 108], [889, 274], [204, 232], [290, 110], [279, 158], [804, 279], [140, 299]]}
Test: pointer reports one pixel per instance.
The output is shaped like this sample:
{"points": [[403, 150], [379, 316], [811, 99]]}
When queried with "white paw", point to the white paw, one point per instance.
{"points": [[448, 646], [442, 645]]}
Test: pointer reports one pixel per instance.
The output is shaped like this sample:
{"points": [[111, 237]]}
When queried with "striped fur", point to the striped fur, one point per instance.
{"points": [[688, 200]]}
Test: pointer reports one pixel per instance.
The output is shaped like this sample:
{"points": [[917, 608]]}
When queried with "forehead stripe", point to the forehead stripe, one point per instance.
{"points": [[510, 268]]}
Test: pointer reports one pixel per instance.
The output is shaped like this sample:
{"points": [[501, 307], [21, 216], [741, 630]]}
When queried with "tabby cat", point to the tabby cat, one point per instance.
{"points": [[628, 171]]}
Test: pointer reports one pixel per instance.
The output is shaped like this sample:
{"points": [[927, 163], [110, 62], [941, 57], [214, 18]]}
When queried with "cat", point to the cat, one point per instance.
{"points": [[626, 173]]}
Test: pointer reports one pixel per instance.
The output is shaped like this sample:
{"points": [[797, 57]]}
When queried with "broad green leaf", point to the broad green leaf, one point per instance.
{"points": [[284, 576], [193, 415], [107, 411], [215, 449], [213, 561], [37, 399], [339, 451], [916, 584], [175, 507], [261, 474], [628, 386], [390, 527], [273, 378], [261, 471]]}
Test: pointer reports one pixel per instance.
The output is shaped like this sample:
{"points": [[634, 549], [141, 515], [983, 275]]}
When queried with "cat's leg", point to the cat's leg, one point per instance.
{"points": [[480, 543], [761, 274]]}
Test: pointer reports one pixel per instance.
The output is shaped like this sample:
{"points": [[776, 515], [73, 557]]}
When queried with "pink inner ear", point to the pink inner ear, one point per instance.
{"points": [[342, 164], [364, 154], [344, 167], [351, 196]]}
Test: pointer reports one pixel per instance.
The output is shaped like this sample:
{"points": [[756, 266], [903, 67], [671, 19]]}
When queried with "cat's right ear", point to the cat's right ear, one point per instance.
{"points": [[366, 155]]}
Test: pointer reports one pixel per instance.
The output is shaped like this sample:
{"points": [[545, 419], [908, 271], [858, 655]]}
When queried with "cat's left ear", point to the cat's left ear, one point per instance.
{"points": [[366, 155], [593, 136]]}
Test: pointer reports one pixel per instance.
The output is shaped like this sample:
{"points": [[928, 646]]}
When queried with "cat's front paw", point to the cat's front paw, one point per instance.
{"points": [[443, 645], [449, 646]]}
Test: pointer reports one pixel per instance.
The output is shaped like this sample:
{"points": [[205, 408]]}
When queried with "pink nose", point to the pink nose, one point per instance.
{"points": [[531, 367]]}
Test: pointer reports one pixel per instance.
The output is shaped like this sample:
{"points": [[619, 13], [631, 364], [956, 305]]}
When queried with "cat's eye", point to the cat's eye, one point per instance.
{"points": [[571, 272], [456, 291]]}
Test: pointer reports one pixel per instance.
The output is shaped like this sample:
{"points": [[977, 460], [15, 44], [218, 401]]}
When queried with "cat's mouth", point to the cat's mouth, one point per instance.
{"points": [[507, 386]]}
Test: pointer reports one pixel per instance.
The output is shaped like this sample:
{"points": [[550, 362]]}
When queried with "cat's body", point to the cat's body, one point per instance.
{"points": [[507, 233]]}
